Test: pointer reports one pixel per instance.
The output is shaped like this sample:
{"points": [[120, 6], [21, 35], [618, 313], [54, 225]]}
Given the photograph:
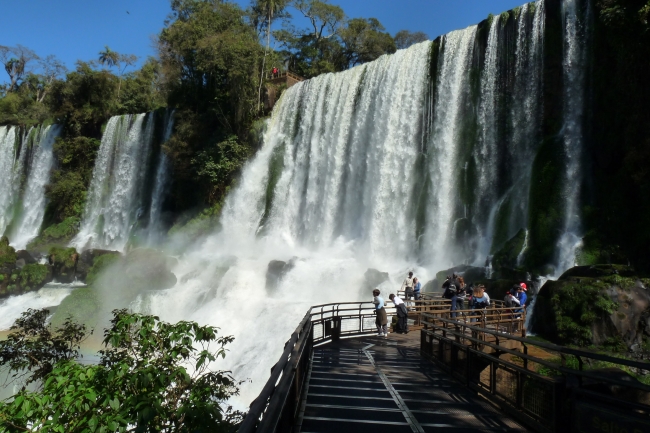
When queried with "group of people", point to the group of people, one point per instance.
{"points": [[455, 289], [477, 298], [381, 319]]}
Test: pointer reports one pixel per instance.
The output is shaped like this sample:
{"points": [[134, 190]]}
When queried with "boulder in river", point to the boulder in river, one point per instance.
{"points": [[275, 271], [373, 278]]}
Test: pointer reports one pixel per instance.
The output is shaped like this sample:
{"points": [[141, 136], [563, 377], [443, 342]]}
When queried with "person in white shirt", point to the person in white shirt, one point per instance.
{"points": [[402, 314], [407, 286]]}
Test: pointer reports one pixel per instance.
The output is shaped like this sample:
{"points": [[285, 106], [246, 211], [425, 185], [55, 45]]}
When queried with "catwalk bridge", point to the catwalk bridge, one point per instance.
{"points": [[473, 373]]}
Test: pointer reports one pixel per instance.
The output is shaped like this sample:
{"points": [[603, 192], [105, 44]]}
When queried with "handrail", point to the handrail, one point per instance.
{"points": [[549, 346], [276, 408]]}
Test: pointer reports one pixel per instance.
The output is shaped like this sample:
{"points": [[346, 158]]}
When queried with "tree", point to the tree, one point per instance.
{"points": [[405, 38], [112, 59], [16, 61], [152, 376], [270, 9], [364, 40], [31, 351], [51, 69]]}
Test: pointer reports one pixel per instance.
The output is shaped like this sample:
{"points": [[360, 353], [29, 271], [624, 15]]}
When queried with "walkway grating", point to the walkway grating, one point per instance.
{"points": [[383, 385]]}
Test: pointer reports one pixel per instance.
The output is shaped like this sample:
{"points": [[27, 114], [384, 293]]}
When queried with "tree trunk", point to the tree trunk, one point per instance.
{"points": [[268, 45]]}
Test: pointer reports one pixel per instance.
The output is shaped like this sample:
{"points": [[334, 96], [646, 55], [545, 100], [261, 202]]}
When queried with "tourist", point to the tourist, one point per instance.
{"points": [[407, 286], [402, 315], [382, 319], [480, 300], [417, 287], [522, 297], [274, 72], [461, 294]]}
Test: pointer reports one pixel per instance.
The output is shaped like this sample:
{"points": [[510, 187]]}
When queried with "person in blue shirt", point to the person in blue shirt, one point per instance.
{"points": [[381, 319], [521, 295], [417, 287]]}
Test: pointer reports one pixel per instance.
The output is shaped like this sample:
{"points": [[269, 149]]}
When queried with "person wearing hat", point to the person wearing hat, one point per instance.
{"points": [[521, 295]]}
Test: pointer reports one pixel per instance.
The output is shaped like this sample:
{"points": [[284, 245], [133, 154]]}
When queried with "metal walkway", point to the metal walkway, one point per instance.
{"points": [[383, 385]]}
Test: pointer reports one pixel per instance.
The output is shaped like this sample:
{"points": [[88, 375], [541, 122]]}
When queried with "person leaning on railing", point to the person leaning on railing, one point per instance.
{"points": [[480, 301]]}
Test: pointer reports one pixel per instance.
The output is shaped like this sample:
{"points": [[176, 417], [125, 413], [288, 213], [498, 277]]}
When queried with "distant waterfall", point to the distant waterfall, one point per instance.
{"points": [[8, 152], [25, 167], [116, 196], [575, 20], [32, 208]]}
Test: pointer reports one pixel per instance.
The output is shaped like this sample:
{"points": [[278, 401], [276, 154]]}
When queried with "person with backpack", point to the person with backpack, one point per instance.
{"points": [[402, 315], [522, 297], [450, 293], [480, 300]]}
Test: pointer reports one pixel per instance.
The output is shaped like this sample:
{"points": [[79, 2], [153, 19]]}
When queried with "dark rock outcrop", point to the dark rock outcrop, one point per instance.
{"points": [[602, 305], [275, 271], [373, 278], [87, 260], [26, 256]]}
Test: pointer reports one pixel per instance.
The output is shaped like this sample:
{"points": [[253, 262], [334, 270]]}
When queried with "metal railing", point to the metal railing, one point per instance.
{"points": [[469, 347], [471, 352], [275, 409]]}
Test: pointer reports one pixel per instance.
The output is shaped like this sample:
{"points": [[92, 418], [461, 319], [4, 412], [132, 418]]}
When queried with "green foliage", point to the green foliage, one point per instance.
{"points": [[56, 234], [217, 165], [406, 38], [364, 40], [63, 256], [33, 275], [7, 253], [577, 306], [33, 347], [573, 363], [152, 376]]}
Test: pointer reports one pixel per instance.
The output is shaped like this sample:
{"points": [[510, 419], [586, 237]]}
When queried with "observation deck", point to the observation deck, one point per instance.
{"points": [[473, 373]]}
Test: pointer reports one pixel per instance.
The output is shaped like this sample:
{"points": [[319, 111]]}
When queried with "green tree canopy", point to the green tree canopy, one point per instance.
{"points": [[152, 376]]}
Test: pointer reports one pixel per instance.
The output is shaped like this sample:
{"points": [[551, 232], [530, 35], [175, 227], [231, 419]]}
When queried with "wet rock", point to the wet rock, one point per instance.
{"points": [[87, 260], [64, 263], [275, 271], [593, 305], [373, 278], [20, 263], [26, 256]]}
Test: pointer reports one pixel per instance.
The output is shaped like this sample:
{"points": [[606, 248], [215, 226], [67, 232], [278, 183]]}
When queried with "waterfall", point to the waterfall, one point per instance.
{"points": [[161, 181], [486, 155], [575, 21], [116, 194], [452, 89], [32, 207], [7, 167]]}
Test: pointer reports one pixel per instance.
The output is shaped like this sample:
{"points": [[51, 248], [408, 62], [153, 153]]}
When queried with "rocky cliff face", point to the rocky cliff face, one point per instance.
{"points": [[606, 306]]}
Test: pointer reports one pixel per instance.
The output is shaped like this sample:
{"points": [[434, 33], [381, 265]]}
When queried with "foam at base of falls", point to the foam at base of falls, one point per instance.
{"points": [[50, 295]]}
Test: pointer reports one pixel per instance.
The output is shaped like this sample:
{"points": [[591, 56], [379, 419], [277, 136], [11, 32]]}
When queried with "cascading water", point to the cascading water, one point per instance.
{"points": [[7, 167], [115, 197], [39, 168], [575, 20], [161, 182], [452, 91]]}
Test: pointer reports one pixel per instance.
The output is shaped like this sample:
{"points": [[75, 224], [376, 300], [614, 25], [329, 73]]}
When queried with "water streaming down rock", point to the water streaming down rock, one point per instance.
{"points": [[575, 20], [451, 100], [32, 206], [7, 166], [116, 197], [25, 165], [161, 182]]}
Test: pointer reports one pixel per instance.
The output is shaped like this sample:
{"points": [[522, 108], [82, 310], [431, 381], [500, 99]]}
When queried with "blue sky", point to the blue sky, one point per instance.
{"points": [[79, 29]]}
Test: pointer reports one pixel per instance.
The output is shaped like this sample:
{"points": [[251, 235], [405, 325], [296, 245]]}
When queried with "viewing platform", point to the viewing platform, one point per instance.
{"points": [[473, 373], [276, 83]]}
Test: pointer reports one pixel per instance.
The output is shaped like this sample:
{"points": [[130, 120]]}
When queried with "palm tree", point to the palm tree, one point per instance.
{"points": [[270, 8], [109, 57]]}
